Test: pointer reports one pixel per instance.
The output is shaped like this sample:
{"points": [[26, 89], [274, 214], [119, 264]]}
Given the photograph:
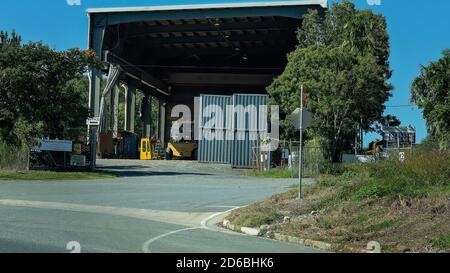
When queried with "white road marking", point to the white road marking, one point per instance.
{"points": [[203, 224], [146, 245], [193, 221]]}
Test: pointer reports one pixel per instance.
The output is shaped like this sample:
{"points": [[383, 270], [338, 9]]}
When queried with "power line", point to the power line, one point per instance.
{"points": [[401, 106]]}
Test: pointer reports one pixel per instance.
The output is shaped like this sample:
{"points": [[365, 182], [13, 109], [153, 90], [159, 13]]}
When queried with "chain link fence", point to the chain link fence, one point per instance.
{"points": [[287, 157]]}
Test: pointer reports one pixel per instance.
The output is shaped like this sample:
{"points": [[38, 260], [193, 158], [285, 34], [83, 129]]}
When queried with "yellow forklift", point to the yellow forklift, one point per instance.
{"points": [[151, 149]]}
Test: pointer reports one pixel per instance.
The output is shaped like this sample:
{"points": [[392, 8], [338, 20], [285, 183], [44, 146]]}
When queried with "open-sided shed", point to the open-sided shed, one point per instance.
{"points": [[175, 53]]}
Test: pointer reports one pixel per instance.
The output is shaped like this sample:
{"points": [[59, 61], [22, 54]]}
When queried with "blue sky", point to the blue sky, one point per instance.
{"points": [[419, 31]]}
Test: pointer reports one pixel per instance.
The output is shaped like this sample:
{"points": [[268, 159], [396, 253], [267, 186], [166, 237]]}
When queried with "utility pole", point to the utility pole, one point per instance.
{"points": [[300, 156]]}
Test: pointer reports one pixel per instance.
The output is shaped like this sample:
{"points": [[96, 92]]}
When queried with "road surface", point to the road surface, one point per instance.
{"points": [[155, 207]]}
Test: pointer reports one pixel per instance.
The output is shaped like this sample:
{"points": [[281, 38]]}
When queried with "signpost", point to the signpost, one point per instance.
{"points": [[93, 125], [300, 156], [301, 119], [306, 117]]}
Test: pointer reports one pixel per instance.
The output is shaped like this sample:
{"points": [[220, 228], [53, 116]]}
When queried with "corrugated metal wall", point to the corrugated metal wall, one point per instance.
{"points": [[214, 150], [246, 129], [243, 126]]}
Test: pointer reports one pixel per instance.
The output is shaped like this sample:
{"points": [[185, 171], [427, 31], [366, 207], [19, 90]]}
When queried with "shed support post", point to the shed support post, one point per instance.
{"points": [[115, 93], [130, 108], [147, 115], [97, 37], [94, 93], [162, 123]]}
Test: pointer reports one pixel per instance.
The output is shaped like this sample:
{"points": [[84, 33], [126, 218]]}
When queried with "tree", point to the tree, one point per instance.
{"points": [[6, 40], [431, 92], [341, 87], [389, 120], [342, 60], [41, 87]]}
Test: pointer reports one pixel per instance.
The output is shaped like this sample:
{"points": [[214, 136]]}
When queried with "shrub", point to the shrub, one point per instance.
{"points": [[417, 176], [333, 168], [443, 242], [369, 191], [256, 218], [13, 157]]}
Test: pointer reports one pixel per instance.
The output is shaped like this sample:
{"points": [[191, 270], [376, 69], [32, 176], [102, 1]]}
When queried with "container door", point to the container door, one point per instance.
{"points": [[215, 129], [247, 129]]}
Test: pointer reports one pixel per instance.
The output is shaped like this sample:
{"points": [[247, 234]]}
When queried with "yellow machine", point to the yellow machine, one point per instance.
{"points": [[375, 147], [150, 149], [182, 150]]}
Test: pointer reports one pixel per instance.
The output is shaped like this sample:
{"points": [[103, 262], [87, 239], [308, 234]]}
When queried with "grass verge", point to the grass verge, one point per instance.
{"points": [[278, 173], [41, 175], [405, 206]]}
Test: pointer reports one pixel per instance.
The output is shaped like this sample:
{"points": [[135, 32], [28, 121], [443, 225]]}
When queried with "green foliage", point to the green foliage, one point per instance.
{"points": [[431, 92], [6, 39], [390, 120], [330, 168], [443, 242], [371, 190], [12, 157], [421, 174], [382, 226], [342, 61], [40, 89], [60, 176], [256, 218]]}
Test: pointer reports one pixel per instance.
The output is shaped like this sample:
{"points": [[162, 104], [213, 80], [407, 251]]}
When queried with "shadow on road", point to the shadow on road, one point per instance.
{"points": [[139, 171]]}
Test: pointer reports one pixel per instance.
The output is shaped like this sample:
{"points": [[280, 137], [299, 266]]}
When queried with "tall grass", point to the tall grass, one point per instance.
{"points": [[422, 174], [12, 157]]}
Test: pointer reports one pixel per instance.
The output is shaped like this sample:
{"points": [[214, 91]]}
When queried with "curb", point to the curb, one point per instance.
{"points": [[305, 242], [251, 231], [319, 244], [295, 240], [246, 230]]}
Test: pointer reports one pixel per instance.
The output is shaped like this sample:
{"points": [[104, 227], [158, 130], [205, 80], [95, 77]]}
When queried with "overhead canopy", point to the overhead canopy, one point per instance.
{"points": [[212, 44]]}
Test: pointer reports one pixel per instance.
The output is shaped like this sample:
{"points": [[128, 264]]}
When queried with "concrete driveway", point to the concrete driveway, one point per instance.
{"points": [[159, 206]]}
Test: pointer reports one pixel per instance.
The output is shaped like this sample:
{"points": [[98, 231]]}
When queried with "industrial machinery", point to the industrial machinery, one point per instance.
{"points": [[375, 148], [182, 150], [151, 149]]}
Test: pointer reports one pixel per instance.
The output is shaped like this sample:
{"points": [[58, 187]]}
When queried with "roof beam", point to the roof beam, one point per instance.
{"points": [[183, 28], [226, 52], [220, 78], [138, 74], [160, 41]]}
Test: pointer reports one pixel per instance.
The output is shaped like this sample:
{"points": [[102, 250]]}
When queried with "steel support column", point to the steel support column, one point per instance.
{"points": [[115, 93], [147, 115], [162, 123], [130, 108], [96, 44]]}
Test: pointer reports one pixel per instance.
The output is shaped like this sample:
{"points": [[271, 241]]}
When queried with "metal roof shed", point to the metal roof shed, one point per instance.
{"points": [[164, 46], [176, 53]]}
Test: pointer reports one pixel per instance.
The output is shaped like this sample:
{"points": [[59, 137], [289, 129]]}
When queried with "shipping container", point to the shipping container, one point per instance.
{"points": [[214, 142], [249, 123], [233, 139]]}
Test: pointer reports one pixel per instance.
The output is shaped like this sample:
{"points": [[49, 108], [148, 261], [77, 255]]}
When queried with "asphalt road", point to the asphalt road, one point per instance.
{"points": [[156, 207]]}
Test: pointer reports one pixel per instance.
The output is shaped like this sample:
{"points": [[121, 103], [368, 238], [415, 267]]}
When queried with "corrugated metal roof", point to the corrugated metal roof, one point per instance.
{"points": [[323, 3]]}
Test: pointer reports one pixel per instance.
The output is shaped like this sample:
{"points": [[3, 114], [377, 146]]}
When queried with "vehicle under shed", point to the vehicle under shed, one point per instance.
{"points": [[172, 54]]}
